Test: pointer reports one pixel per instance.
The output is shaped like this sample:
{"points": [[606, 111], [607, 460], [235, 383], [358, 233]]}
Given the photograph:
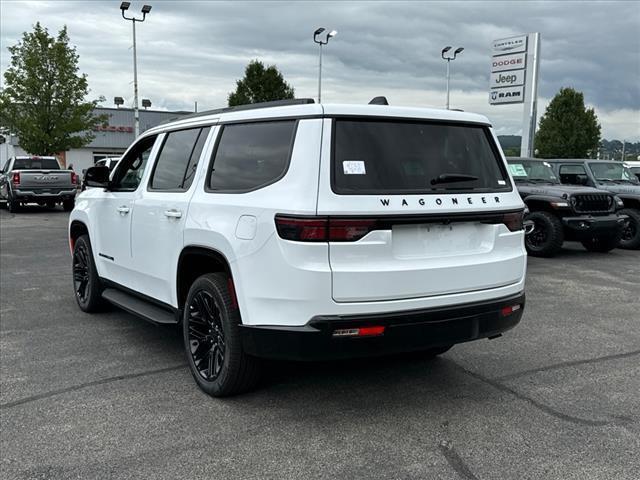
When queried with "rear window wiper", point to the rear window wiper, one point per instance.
{"points": [[453, 177]]}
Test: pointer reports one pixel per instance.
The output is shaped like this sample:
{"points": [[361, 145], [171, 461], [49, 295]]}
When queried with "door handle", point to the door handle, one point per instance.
{"points": [[173, 213], [123, 210]]}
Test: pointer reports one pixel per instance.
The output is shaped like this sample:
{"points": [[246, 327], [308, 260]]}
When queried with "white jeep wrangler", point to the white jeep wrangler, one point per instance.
{"points": [[295, 230]]}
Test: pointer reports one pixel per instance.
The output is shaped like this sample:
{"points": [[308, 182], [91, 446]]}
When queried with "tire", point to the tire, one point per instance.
{"points": [[87, 287], [212, 339], [630, 235], [51, 205], [601, 244], [547, 237], [12, 205], [68, 205]]}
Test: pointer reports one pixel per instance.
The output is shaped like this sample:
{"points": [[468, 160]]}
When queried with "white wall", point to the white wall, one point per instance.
{"points": [[81, 159]]}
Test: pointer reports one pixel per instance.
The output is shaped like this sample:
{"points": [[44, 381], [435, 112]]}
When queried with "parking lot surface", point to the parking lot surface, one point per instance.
{"points": [[110, 396]]}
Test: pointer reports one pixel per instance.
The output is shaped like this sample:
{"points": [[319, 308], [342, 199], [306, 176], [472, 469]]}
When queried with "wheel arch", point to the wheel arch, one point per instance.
{"points": [[195, 261], [76, 229]]}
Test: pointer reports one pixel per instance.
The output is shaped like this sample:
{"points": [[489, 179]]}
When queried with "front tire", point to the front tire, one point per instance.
{"points": [[86, 282], [630, 237], [212, 339], [547, 236]]}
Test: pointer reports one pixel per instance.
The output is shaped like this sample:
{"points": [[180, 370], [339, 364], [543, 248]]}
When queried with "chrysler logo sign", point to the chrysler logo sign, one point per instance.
{"points": [[509, 45]]}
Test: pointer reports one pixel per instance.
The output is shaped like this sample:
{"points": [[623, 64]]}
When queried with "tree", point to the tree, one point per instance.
{"points": [[568, 129], [260, 84], [43, 101]]}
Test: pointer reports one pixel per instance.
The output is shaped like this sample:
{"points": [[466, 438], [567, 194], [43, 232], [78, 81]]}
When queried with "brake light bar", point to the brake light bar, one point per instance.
{"points": [[351, 229], [323, 229]]}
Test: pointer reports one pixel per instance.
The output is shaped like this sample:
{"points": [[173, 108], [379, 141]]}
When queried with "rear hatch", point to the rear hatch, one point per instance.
{"points": [[417, 208]]}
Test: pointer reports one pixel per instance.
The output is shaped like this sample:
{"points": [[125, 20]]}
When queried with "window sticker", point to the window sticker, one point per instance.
{"points": [[501, 182], [517, 170], [353, 167]]}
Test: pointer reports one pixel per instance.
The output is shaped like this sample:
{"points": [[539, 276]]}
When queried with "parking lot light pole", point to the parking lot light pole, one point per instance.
{"points": [[448, 59], [320, 42], [124, 6]]}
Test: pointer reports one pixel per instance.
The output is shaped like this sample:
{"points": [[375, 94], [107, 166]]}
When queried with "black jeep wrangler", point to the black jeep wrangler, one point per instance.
{"points": [[614, 177], [564, 212]]}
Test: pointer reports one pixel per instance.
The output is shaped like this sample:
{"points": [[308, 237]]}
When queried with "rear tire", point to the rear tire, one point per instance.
{"points": [[212, 339], [12, 205], [601, 244], [547, 237], [86, 282], [630, 236], [51, 205], [68, 205]]}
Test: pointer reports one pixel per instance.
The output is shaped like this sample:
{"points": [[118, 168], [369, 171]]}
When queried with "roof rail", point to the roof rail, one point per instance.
{"points": [[249, 106]]}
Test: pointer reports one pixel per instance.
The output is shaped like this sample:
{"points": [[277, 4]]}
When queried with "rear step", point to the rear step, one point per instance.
{"points": [[138, 307]]}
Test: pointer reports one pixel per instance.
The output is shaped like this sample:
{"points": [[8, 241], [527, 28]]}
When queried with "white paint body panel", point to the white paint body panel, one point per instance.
{"points": [[281, 282]]}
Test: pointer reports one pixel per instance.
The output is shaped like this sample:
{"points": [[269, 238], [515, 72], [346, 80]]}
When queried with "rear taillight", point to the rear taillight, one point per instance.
{"points": [[15, 178], [323, 229], [74, 178], [513, 221]]}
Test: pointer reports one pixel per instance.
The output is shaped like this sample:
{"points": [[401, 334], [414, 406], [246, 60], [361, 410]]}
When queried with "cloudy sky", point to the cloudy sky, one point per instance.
{"points": [[195, 51]]}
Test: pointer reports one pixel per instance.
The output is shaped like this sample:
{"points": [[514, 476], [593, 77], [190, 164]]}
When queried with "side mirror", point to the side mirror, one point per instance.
{"points": [[97, 177]]}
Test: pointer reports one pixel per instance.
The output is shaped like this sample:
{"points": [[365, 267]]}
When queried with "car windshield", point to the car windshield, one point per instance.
{"points": [[36, 163], [611, 171], [532, 171]]}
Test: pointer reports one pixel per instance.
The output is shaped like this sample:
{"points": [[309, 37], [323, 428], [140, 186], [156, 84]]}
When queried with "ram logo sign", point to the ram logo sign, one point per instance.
{"points": [[506, 95]]}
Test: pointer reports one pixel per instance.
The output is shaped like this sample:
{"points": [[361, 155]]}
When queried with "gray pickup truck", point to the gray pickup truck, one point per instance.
{"points": [[32, 179]]}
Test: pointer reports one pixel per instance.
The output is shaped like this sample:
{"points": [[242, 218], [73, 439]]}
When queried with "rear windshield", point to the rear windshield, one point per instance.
{"points": [[371, 156], [36, 164]]}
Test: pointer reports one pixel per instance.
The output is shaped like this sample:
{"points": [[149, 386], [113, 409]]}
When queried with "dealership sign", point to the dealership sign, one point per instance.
{"points": [[113, 128], [514, 77]]}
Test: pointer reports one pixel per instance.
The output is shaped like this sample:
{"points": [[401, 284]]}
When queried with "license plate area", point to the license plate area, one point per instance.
{"points": [[437, 240]]}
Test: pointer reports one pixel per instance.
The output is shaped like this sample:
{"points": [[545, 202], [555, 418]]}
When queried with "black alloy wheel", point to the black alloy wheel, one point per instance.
{"points": [[212, 336], [547, 236], [630, 234], [81, 272], [87, 286], [206, 335]]}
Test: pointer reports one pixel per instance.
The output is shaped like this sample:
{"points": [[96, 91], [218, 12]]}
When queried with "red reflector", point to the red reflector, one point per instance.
{"points": [[370, 331], [506, 311]]}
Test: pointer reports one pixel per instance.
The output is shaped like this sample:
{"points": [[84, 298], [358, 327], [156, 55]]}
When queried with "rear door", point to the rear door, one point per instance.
{"points": [[423, 204], [161, 211]]}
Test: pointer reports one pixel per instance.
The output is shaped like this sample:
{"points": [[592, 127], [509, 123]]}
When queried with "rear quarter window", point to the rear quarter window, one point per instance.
{"points": [[249, 156], [393, 156]]}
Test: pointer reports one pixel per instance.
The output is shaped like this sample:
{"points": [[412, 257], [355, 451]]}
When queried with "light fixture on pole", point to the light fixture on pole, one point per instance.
{"points": [[146, 103], [321, 42], [448, 59], [118, 101], [124, 6]]}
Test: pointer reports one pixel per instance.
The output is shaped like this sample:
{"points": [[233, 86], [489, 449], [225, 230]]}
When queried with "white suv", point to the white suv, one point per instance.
{"points": [[303, 231]]}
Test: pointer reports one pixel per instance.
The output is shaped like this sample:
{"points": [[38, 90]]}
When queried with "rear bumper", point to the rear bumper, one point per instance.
{"points": [[588, 226], [405, 331], [36, 195]]}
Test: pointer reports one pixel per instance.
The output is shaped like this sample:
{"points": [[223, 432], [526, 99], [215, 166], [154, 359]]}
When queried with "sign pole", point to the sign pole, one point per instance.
{"points": [[529, 113]]}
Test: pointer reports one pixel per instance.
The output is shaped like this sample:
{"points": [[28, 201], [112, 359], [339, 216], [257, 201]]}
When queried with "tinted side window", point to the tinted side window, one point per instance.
{"points": [[573, 175], [129, 172], [173, 160], [251, 155]]}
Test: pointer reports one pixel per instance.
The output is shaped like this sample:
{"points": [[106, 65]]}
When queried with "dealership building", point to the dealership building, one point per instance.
{"points": [[110, 140]]}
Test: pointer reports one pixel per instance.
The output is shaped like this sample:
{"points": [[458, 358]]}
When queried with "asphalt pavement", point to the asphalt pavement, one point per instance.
{"points": [[110, 396]]}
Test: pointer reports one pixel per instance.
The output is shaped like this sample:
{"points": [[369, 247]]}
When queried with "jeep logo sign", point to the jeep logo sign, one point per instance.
{"points": [[507, 79]]}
